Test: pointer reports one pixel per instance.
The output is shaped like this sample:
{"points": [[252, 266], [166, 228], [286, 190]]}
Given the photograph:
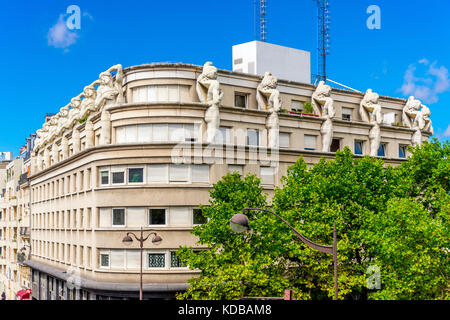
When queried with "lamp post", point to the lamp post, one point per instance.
{"points": [[128, 240], [239, 223]]}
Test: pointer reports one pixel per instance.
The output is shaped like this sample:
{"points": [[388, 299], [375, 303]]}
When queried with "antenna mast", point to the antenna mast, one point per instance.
{"points": [[323, 38], [260, 20]]}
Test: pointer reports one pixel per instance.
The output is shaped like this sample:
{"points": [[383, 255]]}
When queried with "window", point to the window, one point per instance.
{"points": [[117, 259], [180, 216], [118, 218], [223, 136], [160, 132], [347, 114], [157, 173], [359, 147], [198, 217], [402, 151], [135, 175], [104, 260], [235, 168], [118, 176], [267, 175], [133, 259], [157, 216], [310, 142], [156, 260], [175, 262], [105, 218], [382, 150], [284, 140], [179, 173], [155, 93], [200, 173], [104, 177], [240, 100], [297, 106], [335, 145], [252, 137]]}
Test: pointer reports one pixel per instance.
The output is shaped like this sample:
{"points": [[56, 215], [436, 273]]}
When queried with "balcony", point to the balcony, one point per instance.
{"points": [[23, 178]]}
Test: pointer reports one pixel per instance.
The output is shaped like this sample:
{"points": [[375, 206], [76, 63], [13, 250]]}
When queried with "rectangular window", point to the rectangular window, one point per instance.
{"points": [[297, 106], [175, 262], [118, 177], [180, 216], [179, 173], [359, 147], [382, 150], [200, 173], [347, 114], [284, 140], [133, 259], [310, 142], [252, 137], [176, 132], [157, 216], [156, 260], [104, 177], [144, 133], [136, 217], [223, 136], [402, 151], [236, 168], [267, 175], [118, 218], [160, 132], [198, 217], [105, 218], [240, 100], [117, 259], [157, 173], [335, 145], [135, 175]]}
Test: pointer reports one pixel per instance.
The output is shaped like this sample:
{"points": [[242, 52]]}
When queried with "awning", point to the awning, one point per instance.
{"points": [[24, 294]]}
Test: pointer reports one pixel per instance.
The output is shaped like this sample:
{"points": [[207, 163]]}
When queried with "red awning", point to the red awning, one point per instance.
{"points": [[24, 294]]}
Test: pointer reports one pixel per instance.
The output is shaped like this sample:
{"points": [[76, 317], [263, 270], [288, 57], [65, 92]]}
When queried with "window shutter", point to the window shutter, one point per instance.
{"points": [[120, 134], [284, 140], [152, 94], [117, 259], [179, 216], [310, 141], [157, 173], [200, 173], [105, 218], [143, 133], [131, 133], [267, 175], [176, 132], [162, 93], [136, 217], [133, 259], [159, 132], [174, 95], [179, 173]]}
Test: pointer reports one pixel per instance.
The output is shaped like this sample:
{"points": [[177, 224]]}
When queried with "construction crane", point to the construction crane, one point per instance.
{"points": [[260, 20], [323, 38]]}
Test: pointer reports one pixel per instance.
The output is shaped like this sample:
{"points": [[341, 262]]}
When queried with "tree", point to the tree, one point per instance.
{"points": [[392, 218]]}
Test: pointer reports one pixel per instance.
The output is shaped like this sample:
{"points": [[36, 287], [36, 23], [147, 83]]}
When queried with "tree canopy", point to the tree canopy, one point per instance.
{"points": [[395, 220]]}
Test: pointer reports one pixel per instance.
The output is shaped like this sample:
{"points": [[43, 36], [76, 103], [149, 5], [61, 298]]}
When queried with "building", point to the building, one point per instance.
{"points": [[142, 146]]}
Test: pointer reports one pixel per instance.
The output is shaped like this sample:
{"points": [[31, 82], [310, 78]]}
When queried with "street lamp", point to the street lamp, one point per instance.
{"points": [[128, 240], [239, 223]]}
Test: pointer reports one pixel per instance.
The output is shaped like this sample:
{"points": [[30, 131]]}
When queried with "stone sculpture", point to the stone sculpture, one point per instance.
{"points": [[410, 111], [422, 122], [88, 103], [366, 106], [268, 98], [267, 95], [324, 107], [109, 90], [209, 92]]}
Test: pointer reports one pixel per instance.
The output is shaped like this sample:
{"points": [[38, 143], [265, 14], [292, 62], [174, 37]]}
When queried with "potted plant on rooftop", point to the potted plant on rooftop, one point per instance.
{"points": [[309, 110]]}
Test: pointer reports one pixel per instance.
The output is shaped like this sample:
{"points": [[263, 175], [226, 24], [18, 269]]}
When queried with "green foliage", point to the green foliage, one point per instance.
{"points": [[83, 120], [394, 218], [308, 107]]}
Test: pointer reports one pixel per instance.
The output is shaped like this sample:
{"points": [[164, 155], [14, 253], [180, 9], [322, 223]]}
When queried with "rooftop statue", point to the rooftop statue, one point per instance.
{"points": [[324, 107], [209, 92], [88, 103], [267, 95], [366, 107], [74, 112], [62, 120], [410, 111], [41, 135], [370, 111], [422, 122], [109, 89]]}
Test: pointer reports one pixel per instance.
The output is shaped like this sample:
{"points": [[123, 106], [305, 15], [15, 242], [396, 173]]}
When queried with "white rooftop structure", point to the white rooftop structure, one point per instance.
{"points": [[285, 63]]}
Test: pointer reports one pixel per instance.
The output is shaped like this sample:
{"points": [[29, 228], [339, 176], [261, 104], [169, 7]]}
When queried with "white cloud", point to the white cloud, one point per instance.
{"points": [[446, 133], [428, 87], [59, 36]]}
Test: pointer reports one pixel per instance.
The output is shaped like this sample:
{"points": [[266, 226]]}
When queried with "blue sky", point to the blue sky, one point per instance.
{"points": [[45, 65]]}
